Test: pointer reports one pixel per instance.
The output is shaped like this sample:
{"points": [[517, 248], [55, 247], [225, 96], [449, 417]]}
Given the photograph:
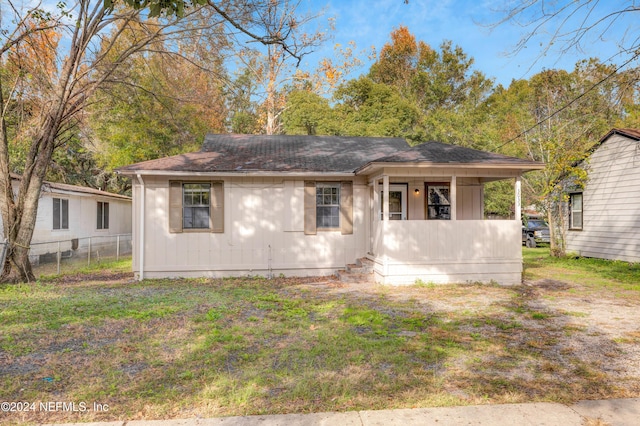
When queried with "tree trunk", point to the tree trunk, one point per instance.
{"points": [[556, 235], [20, 210], [7, 202], [271, 109]]}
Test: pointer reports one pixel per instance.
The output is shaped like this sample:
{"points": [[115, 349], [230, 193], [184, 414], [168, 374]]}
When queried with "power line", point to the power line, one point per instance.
{"points": [[574, 100]]}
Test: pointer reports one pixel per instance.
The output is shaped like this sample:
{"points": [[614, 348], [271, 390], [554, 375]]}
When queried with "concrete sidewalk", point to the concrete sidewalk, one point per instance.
{"points": [[614, 412]]}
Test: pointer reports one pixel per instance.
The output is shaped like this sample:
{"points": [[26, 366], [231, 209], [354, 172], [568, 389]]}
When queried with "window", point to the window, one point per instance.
{"points": [[60, 213], [328, 205], [575, 211], [196, 205], [438, 201], [103, 215]]}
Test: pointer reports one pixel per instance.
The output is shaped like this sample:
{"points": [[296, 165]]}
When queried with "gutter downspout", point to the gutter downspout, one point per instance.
{"points": [[141, 234]]}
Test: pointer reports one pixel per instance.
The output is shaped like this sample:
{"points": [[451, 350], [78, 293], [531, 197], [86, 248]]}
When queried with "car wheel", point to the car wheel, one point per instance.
{"points": [[531, 243]]}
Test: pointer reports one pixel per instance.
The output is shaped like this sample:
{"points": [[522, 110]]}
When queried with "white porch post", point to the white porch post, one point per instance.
{"points": [[454, 199], [518, 191], [385, 196], [141, 230], [376, 199]]}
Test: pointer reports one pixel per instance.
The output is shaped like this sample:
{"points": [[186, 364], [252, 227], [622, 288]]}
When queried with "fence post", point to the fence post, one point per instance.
{"points": [[58, 257], [3, 258], [117, 247], [89, 253]]}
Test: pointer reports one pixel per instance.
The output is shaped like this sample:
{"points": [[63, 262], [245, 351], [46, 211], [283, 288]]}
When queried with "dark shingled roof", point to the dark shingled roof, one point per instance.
{"points": [[280, 153], [436, 152]]}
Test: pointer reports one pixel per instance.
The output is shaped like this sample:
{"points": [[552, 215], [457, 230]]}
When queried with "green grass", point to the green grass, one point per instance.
{"points": [[184, 348], [81, 268], [593, 273]]}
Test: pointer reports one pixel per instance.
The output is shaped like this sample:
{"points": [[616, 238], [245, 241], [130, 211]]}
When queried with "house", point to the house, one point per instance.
{"points": [[310, 205], [71, 214], [604, 216]]}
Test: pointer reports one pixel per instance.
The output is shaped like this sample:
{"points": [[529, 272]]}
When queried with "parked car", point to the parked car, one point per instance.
{"points": [[534, 232]]}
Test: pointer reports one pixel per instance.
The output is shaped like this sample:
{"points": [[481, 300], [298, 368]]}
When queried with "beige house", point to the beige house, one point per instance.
{"points": [[604, 217], [310, 205]]}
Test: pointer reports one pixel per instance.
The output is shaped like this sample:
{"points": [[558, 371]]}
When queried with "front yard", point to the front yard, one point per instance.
{"points": [[110, 348]]}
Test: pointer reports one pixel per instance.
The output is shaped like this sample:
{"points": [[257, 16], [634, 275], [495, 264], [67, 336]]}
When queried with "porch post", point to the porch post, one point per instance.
{"points": [[376, 199], [518, 191], [454, 199], [385, 196]]}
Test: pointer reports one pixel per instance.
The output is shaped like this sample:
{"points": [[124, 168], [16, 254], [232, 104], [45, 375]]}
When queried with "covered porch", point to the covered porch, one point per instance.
{"points": [[427, 225]]}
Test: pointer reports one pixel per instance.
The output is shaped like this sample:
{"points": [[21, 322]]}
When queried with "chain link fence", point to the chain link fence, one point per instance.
{"points": [[56, 257]]}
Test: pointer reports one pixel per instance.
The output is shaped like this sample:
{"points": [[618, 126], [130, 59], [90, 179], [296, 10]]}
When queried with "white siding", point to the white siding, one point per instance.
{"points": [[611, 203], [263, 233], [448, 251], [82, 217], [82, 220]]}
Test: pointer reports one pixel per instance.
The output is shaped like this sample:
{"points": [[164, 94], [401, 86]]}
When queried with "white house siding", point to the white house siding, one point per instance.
{"points": [[447, 251], [82, 220], [263, 232], [611, 203]]}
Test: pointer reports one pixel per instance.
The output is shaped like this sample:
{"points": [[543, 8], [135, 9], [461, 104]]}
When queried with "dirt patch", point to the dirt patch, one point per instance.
{"points": [[259, 346], [550, 285], [560, 326]]}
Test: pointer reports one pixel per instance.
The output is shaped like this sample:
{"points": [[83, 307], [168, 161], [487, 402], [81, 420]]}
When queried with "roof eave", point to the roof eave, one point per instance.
{"points": [[622, 132], [243, 173], [56, 190], [370, 167]]}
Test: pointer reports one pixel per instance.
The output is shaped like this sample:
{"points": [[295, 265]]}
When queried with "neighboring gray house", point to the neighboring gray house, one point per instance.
{"points": [[310, 205], [604, 217]]}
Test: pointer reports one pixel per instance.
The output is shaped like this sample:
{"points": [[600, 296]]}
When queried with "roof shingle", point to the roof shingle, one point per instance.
{"points": [[326, 154]]}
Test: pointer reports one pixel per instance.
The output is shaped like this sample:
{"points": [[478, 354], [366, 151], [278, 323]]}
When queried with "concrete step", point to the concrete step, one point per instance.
{"points": [[361, 271], [366, 264], [350, 277]]}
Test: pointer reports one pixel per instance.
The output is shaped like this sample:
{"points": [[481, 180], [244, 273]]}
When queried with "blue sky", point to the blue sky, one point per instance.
{"points": [[369, 23]]}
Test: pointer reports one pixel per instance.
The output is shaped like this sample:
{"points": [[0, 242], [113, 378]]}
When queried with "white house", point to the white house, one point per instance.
{"points": [[604, 217], [71, 214], [310, 205]]}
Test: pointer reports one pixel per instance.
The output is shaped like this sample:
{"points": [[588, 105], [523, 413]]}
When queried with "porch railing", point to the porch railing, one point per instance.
{"points": [[447, 240]]}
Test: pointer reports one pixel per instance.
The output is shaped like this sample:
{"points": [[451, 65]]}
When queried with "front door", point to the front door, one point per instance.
{"points": [[397, 202]]}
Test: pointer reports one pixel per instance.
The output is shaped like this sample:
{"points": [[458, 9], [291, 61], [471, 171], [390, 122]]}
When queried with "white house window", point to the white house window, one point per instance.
{"points": [[438, 201], [103, 215], [196, 205], [575, 211], [328, 205], [60, 213]]}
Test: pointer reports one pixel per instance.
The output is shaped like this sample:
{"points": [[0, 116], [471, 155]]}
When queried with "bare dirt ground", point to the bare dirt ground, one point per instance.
{"points": [[563, 324], [545, 340]]}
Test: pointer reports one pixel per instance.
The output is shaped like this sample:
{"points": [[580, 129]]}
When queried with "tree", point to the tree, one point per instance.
{"points": [[441, 83], [308, 113], [575, 24], [279, 19], [243, 110], [162, 103], [542, 120], [82, 65], [366, 108]]}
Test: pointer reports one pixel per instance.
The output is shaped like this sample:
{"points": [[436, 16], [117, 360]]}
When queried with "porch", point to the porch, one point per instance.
{"points": [[429, 226]]}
